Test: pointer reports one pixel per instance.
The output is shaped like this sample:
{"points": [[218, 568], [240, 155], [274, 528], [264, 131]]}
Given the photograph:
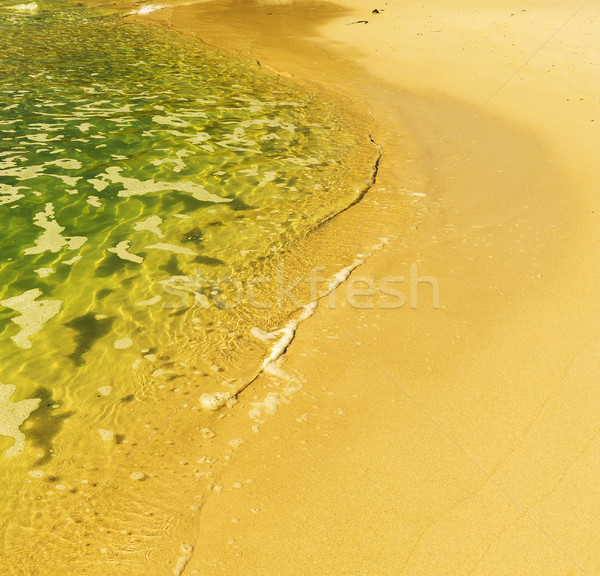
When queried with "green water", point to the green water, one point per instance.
{"points": [[136, 169]]}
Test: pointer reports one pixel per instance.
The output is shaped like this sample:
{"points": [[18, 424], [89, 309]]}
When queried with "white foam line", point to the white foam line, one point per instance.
{"points": [[287, 334], [186, 555], [289, 330], [149, 8]]}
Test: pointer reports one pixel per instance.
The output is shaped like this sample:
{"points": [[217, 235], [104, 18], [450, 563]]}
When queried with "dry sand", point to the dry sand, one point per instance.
{"points": [[451, 440]]}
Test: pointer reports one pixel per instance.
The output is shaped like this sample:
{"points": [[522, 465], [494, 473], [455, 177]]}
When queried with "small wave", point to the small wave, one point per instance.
{"points": [[288, 332], [148, 9]]}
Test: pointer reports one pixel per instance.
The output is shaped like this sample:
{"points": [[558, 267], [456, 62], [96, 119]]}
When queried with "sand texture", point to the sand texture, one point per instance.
{"points": [[456, 436]]}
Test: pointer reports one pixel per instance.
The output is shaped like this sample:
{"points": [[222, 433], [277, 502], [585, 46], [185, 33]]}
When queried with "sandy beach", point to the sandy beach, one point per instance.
{"points": [[438, 413], [458, 440]]}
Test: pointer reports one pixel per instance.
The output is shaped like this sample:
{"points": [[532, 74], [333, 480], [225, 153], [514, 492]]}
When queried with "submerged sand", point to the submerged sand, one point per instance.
{"points": [[458, 437]]}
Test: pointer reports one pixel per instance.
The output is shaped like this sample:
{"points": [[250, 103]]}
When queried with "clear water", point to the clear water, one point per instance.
{"points": [[136, 168]]}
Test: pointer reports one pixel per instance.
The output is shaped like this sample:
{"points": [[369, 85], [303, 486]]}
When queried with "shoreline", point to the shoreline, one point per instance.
{"points": [[415, 440], [329, 243], [412, 453]]}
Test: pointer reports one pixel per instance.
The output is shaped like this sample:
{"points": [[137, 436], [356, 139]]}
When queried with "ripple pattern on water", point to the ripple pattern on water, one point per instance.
{"points": [[134, 165]]}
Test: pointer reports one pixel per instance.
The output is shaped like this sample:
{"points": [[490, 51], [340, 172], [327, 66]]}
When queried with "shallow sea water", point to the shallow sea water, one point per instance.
{"points": [[143, 179]]}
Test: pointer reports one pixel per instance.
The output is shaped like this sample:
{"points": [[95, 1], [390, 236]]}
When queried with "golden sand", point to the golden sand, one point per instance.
{"points": [[459, 438]]}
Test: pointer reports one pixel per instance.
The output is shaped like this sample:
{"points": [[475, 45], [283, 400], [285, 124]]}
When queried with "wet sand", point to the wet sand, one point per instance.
{"points": [[458, 437]]}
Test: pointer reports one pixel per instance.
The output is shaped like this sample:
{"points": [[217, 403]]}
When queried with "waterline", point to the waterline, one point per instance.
{"points": [[131, 158]]}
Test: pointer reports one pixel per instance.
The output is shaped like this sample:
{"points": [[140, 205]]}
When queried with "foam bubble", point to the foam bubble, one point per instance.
{"points": [[149, 302], [215, 400], [287, 334], [263, 334], [71, 261], [171, 121], [135, 187], [66, 163], [98, 185], [269, 405], [266, 407], [148, 9], [51, 239], [121, 250], [44, 272], [12, 416], [33, 314], [151, 225], [186, 554], [172, 248], [10, 193], [106, 435], [30, 6]]}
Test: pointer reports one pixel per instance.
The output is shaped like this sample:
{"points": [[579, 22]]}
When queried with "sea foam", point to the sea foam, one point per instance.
{"points": [[29, 6], [148, 9], [12, 416]]}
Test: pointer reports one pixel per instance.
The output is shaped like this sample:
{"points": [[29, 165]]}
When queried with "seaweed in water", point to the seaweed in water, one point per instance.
{"points": [[195, 236], [172, 267], [102, 294], [44, 423], [111, 264], [208, 260], [89, 329], [238, 204]]}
